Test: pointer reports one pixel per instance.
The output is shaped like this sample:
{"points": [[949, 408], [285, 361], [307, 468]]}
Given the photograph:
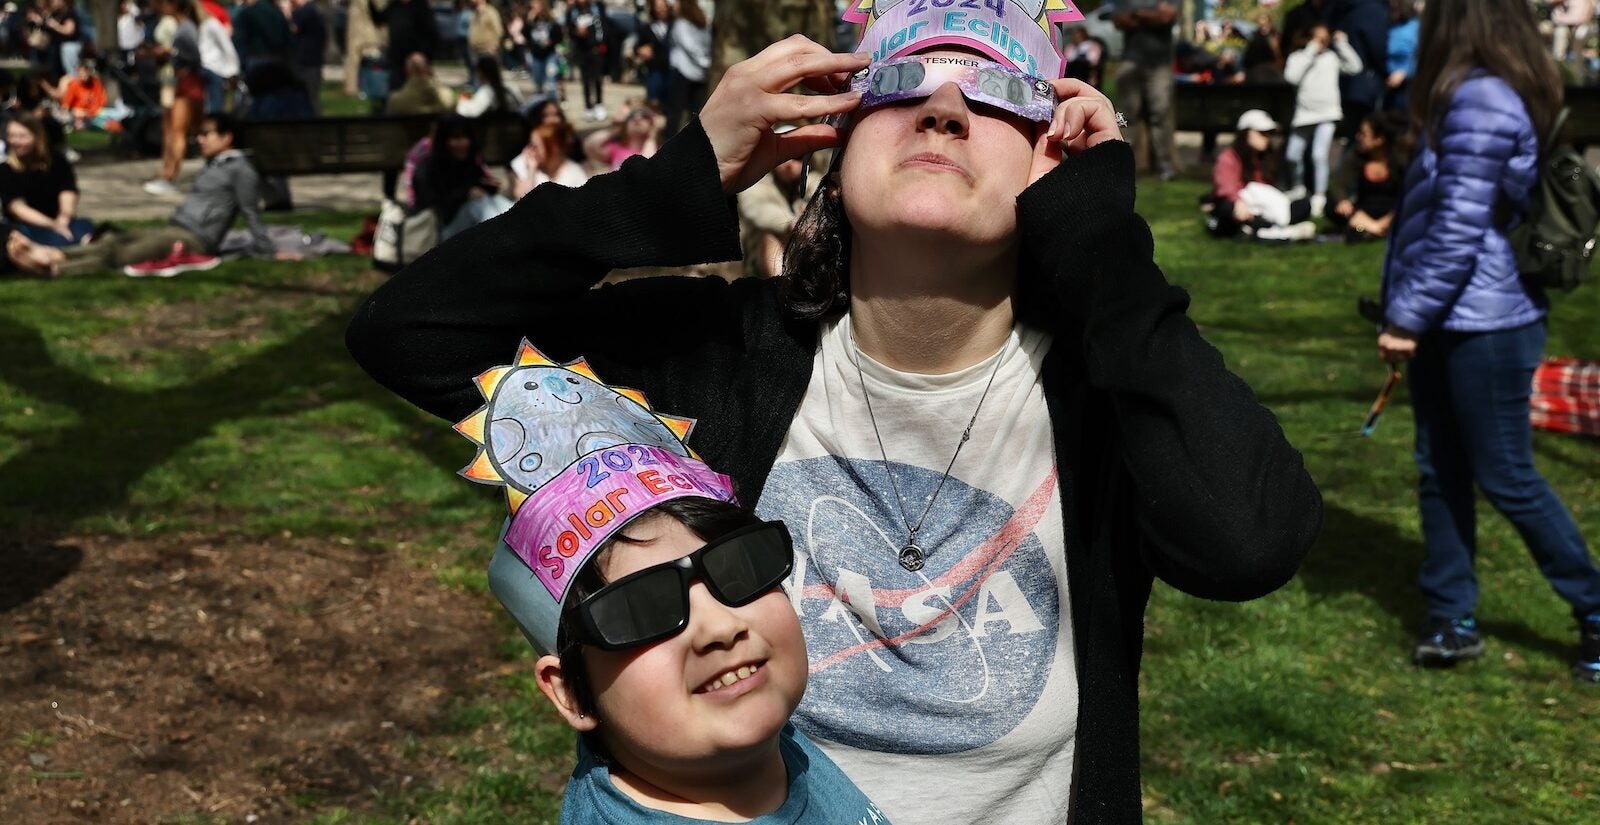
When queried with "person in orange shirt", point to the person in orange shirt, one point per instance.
{"points": [[84, 97]]}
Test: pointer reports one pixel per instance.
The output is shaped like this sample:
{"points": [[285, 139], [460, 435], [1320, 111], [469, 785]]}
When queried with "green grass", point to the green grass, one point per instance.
{"points": [[224, 402]]}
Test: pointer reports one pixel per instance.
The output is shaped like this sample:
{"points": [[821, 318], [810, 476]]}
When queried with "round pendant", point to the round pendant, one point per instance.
{"points": [[912, 557]]}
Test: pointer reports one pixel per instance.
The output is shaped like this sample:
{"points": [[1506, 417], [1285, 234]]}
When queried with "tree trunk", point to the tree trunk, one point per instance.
{"points": [[105, 14], [744, 27]]}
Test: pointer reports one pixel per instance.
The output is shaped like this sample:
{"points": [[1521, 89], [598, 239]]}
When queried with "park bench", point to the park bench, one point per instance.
{"points": [[1200, 107], [375, 143]]}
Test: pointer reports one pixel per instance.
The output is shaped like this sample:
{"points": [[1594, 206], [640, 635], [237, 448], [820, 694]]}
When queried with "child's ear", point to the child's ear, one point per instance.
{"points": [[553, 684]]}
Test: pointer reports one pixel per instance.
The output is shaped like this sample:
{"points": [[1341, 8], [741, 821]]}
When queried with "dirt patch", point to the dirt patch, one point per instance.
{"points": [[187, 676]]}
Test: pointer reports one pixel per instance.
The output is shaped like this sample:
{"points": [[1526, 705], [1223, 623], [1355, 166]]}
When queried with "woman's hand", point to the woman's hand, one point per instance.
{"points": [[1397, 346], [751, 99], [1242, 213], [1084, 118], [1344, 209]]}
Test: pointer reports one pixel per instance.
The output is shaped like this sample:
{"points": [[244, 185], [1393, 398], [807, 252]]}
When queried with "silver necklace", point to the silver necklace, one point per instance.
{"points": [[912, 556]]}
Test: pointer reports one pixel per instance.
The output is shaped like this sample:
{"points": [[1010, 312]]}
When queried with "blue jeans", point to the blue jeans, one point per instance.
{"points": [[474, 212], [545, 72], [80, 228], [214, 91], [1469, 392], [1320, 136]]}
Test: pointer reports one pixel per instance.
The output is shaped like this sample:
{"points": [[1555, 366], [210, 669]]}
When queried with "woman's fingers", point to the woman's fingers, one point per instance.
{"points": [[807, 107], [796, 68], [805, 140]]}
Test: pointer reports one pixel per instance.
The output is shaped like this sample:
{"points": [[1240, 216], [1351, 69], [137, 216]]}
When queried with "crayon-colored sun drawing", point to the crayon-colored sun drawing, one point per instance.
{"points": [[541, 416]]}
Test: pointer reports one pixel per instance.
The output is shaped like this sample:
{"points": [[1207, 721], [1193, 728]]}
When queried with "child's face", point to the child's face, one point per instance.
{"points": [[655, 705]]}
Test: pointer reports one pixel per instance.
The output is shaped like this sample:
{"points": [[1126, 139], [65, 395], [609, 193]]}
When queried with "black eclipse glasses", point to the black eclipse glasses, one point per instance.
{"points": [[653, 604]]}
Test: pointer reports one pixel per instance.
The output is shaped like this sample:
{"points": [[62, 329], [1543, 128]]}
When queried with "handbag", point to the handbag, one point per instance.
{"points": [[402, 237]]}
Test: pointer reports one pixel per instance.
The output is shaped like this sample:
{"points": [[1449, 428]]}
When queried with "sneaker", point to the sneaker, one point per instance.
{"points": [[1443, 642], [1318, 203], [160, 186], [180, 260], [1302, 231], [1587, 668]]}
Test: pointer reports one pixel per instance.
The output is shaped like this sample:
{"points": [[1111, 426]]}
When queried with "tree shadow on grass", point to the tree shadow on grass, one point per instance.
{"points": [[119, 435], [1356, 554]]}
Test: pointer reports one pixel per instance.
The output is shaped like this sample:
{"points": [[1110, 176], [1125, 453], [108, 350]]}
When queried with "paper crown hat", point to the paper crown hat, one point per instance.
{"points": [[1015, 32], [579, 460]]}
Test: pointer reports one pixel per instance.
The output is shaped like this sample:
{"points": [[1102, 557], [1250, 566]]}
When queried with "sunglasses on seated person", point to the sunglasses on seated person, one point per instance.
{"points": [[653, 604]]}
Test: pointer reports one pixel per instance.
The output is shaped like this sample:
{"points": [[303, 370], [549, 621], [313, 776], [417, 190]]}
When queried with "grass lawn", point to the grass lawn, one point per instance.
{"points": [[223, 403]]}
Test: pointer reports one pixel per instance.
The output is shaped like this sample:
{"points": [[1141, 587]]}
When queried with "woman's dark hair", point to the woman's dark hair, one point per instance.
{"points": [[816, 259], [707, 518], [690, 10], [1498, 36], [1394, 129], [1402, 10], [489, 72], [1252, 161]]}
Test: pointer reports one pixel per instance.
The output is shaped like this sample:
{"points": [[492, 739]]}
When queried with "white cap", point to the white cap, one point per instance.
{"points": [[1257, 120]]}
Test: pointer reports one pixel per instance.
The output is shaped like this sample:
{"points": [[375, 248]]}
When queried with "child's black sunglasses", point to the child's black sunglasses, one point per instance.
{"points": [[653, 604]]}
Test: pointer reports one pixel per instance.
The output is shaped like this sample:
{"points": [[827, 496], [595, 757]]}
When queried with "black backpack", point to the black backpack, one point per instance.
{"points": [[1556, 239]]}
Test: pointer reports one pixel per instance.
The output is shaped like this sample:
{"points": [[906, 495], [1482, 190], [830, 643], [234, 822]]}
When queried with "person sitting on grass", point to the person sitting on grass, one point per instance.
{"points": [[1244, 198], [227, 187], [38, 186], [421, 94], [666, 640], [26, 259], [1366, 187], [455, 182], [545, 159], [83, 98]]}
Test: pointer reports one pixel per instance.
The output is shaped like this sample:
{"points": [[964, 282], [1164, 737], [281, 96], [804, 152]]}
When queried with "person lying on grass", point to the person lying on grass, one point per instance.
{"points": [[656, 604], [227, 187]]}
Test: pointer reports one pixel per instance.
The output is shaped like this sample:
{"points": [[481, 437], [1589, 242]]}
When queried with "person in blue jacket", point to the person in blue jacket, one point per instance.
{"points": [[1471, 329], [1403, 27]]}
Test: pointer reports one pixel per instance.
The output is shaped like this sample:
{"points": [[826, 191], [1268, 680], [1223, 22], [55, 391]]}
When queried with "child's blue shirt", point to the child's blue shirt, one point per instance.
{"points": [[819, 793]]}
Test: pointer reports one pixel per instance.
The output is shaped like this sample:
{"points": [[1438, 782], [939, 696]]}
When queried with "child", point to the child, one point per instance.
{"points": [[654, 600], [1315, 70]]}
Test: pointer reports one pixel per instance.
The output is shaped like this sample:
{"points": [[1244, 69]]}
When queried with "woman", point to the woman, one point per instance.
{"points": [[493, 95], [689, 60], [219, 61], [1484, 96], [1366, 187], [542, 33], [985, 282], [454, 182], [1402, 54], [635, 136], [545, 159], [654, 51], [183, 91], [39, 188], [1244, 197]]}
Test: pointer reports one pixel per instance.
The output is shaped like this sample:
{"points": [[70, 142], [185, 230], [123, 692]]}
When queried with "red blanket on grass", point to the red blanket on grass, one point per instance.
{"points": [[1566, 396]]}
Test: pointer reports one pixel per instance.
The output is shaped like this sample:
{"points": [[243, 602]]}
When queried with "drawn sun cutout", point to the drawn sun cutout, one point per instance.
{"points": [[531, 428]]}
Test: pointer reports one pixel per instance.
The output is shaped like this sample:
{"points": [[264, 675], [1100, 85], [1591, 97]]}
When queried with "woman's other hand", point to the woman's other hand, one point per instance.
{"points": [[1084, 118], [753, 97], [1344, 209], [1397, 346], [1242, 213]]}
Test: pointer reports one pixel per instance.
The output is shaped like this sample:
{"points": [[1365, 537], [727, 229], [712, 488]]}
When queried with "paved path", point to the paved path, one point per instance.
{"points": [[110, 186]]}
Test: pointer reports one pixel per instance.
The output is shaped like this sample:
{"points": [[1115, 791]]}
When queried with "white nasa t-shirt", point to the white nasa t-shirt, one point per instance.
{"points": [[949, 694]]}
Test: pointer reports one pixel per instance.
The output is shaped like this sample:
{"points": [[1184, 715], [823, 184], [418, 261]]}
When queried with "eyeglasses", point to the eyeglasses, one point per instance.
{"points": [[1383, 401], [981, 81], [653, 604]]}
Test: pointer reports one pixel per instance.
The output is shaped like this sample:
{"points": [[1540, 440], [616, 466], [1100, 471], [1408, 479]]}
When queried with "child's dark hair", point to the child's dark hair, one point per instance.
{"points": [[707, 518]]}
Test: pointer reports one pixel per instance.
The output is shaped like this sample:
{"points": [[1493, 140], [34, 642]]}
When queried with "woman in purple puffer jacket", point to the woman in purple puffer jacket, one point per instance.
{"points": [[1456, 308]]}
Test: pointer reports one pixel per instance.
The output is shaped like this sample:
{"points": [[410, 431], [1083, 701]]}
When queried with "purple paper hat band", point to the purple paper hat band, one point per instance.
{"points": [[567, 519], [1001, 29]]}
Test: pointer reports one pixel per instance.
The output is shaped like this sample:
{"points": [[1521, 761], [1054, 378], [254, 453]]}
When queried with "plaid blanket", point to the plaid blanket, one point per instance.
{"points": [[1566, 396]]}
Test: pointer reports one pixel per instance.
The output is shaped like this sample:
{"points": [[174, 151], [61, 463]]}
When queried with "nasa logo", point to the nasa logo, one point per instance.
{"points": [[968, 641]]}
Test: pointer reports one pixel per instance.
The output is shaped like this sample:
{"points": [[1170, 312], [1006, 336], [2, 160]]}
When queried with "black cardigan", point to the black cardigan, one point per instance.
{"points": [[1167, 464]]}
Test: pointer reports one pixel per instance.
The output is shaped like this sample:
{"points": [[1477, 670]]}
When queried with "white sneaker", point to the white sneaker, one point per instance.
{"points": [[599, 112], [1318, 202], [1302, 231], [160, 186]]}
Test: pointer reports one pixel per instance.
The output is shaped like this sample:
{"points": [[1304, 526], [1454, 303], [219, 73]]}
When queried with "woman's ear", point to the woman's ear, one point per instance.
{"points": [[555, 687]]}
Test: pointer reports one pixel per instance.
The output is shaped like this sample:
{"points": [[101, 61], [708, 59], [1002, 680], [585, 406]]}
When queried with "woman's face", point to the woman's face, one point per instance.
{"points": [[460, 146], [1259, 141], [939, 165], [1368, 140], [550, 112], [19, 139]]}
